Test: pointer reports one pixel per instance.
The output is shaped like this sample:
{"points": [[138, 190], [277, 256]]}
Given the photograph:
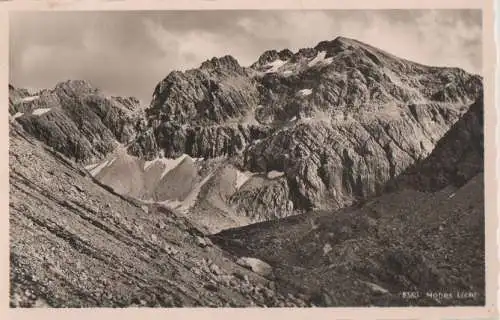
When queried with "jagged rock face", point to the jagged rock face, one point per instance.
{"points": [[16, 95], [219, 90], [208, 142], [333, 164], [338, 76], [345, 75], [171, 140], [340, 119], [204, 112], [144, 145], [458, 156], [270, 56], [78, 120]]}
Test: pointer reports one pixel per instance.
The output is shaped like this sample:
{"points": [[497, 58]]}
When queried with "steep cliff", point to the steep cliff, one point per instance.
{"points": [[458, 156]]}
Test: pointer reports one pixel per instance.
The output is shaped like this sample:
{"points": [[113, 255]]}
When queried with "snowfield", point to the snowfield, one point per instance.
{"points": [[241, 178], [274, 174]]}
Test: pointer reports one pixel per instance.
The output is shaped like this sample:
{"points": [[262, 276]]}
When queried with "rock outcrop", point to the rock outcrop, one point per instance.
{"points": [[363, 170], [77, 120], [262, 199]]}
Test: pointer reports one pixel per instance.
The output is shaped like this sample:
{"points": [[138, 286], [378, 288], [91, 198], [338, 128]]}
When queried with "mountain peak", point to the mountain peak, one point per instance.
{"points": [[226, 62], [272, 55], [341, 43], [345, 40], [76, 86]]}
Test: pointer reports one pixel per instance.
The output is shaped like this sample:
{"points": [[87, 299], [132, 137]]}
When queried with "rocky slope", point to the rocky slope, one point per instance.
{"points": [[76, 243], [407, 241], [77, 119], [426, 236]]}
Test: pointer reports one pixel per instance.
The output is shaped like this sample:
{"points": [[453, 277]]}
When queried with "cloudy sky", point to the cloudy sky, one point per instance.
{"points": [[127, 53]]}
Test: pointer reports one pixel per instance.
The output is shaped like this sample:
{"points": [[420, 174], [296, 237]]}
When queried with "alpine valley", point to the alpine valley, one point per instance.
{"points": [[339, 175]]}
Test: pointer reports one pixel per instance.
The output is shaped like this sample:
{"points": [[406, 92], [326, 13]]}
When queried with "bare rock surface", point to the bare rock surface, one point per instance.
{"points": [[256, 265], [458, 156]]}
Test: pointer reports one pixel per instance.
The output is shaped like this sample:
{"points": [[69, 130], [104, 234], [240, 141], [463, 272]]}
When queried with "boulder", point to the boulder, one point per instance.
{"points": [[256, 265]]}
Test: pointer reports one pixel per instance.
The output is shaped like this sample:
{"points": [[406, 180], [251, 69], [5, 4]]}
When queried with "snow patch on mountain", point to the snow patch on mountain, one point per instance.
{"points": [[320, 59], [30, 98], [167, 164], [148, 164], [274, 66], [98, 168], [241, 178]]}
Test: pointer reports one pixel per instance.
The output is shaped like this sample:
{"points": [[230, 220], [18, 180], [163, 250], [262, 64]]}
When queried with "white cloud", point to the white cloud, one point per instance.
{"points": [[298, 28], [127, 54]]}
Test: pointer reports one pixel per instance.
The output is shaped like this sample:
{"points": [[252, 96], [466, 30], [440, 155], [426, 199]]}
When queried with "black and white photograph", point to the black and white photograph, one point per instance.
{"points": [[246, 158]]}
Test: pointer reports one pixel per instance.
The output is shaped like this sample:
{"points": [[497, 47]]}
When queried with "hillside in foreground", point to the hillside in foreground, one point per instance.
{"points": [[75, 243]]}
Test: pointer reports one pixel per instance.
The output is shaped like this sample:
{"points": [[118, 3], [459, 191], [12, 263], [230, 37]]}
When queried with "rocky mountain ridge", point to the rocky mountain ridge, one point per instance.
{"points": [[77, 119], [457, 158], [337, 122]]}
